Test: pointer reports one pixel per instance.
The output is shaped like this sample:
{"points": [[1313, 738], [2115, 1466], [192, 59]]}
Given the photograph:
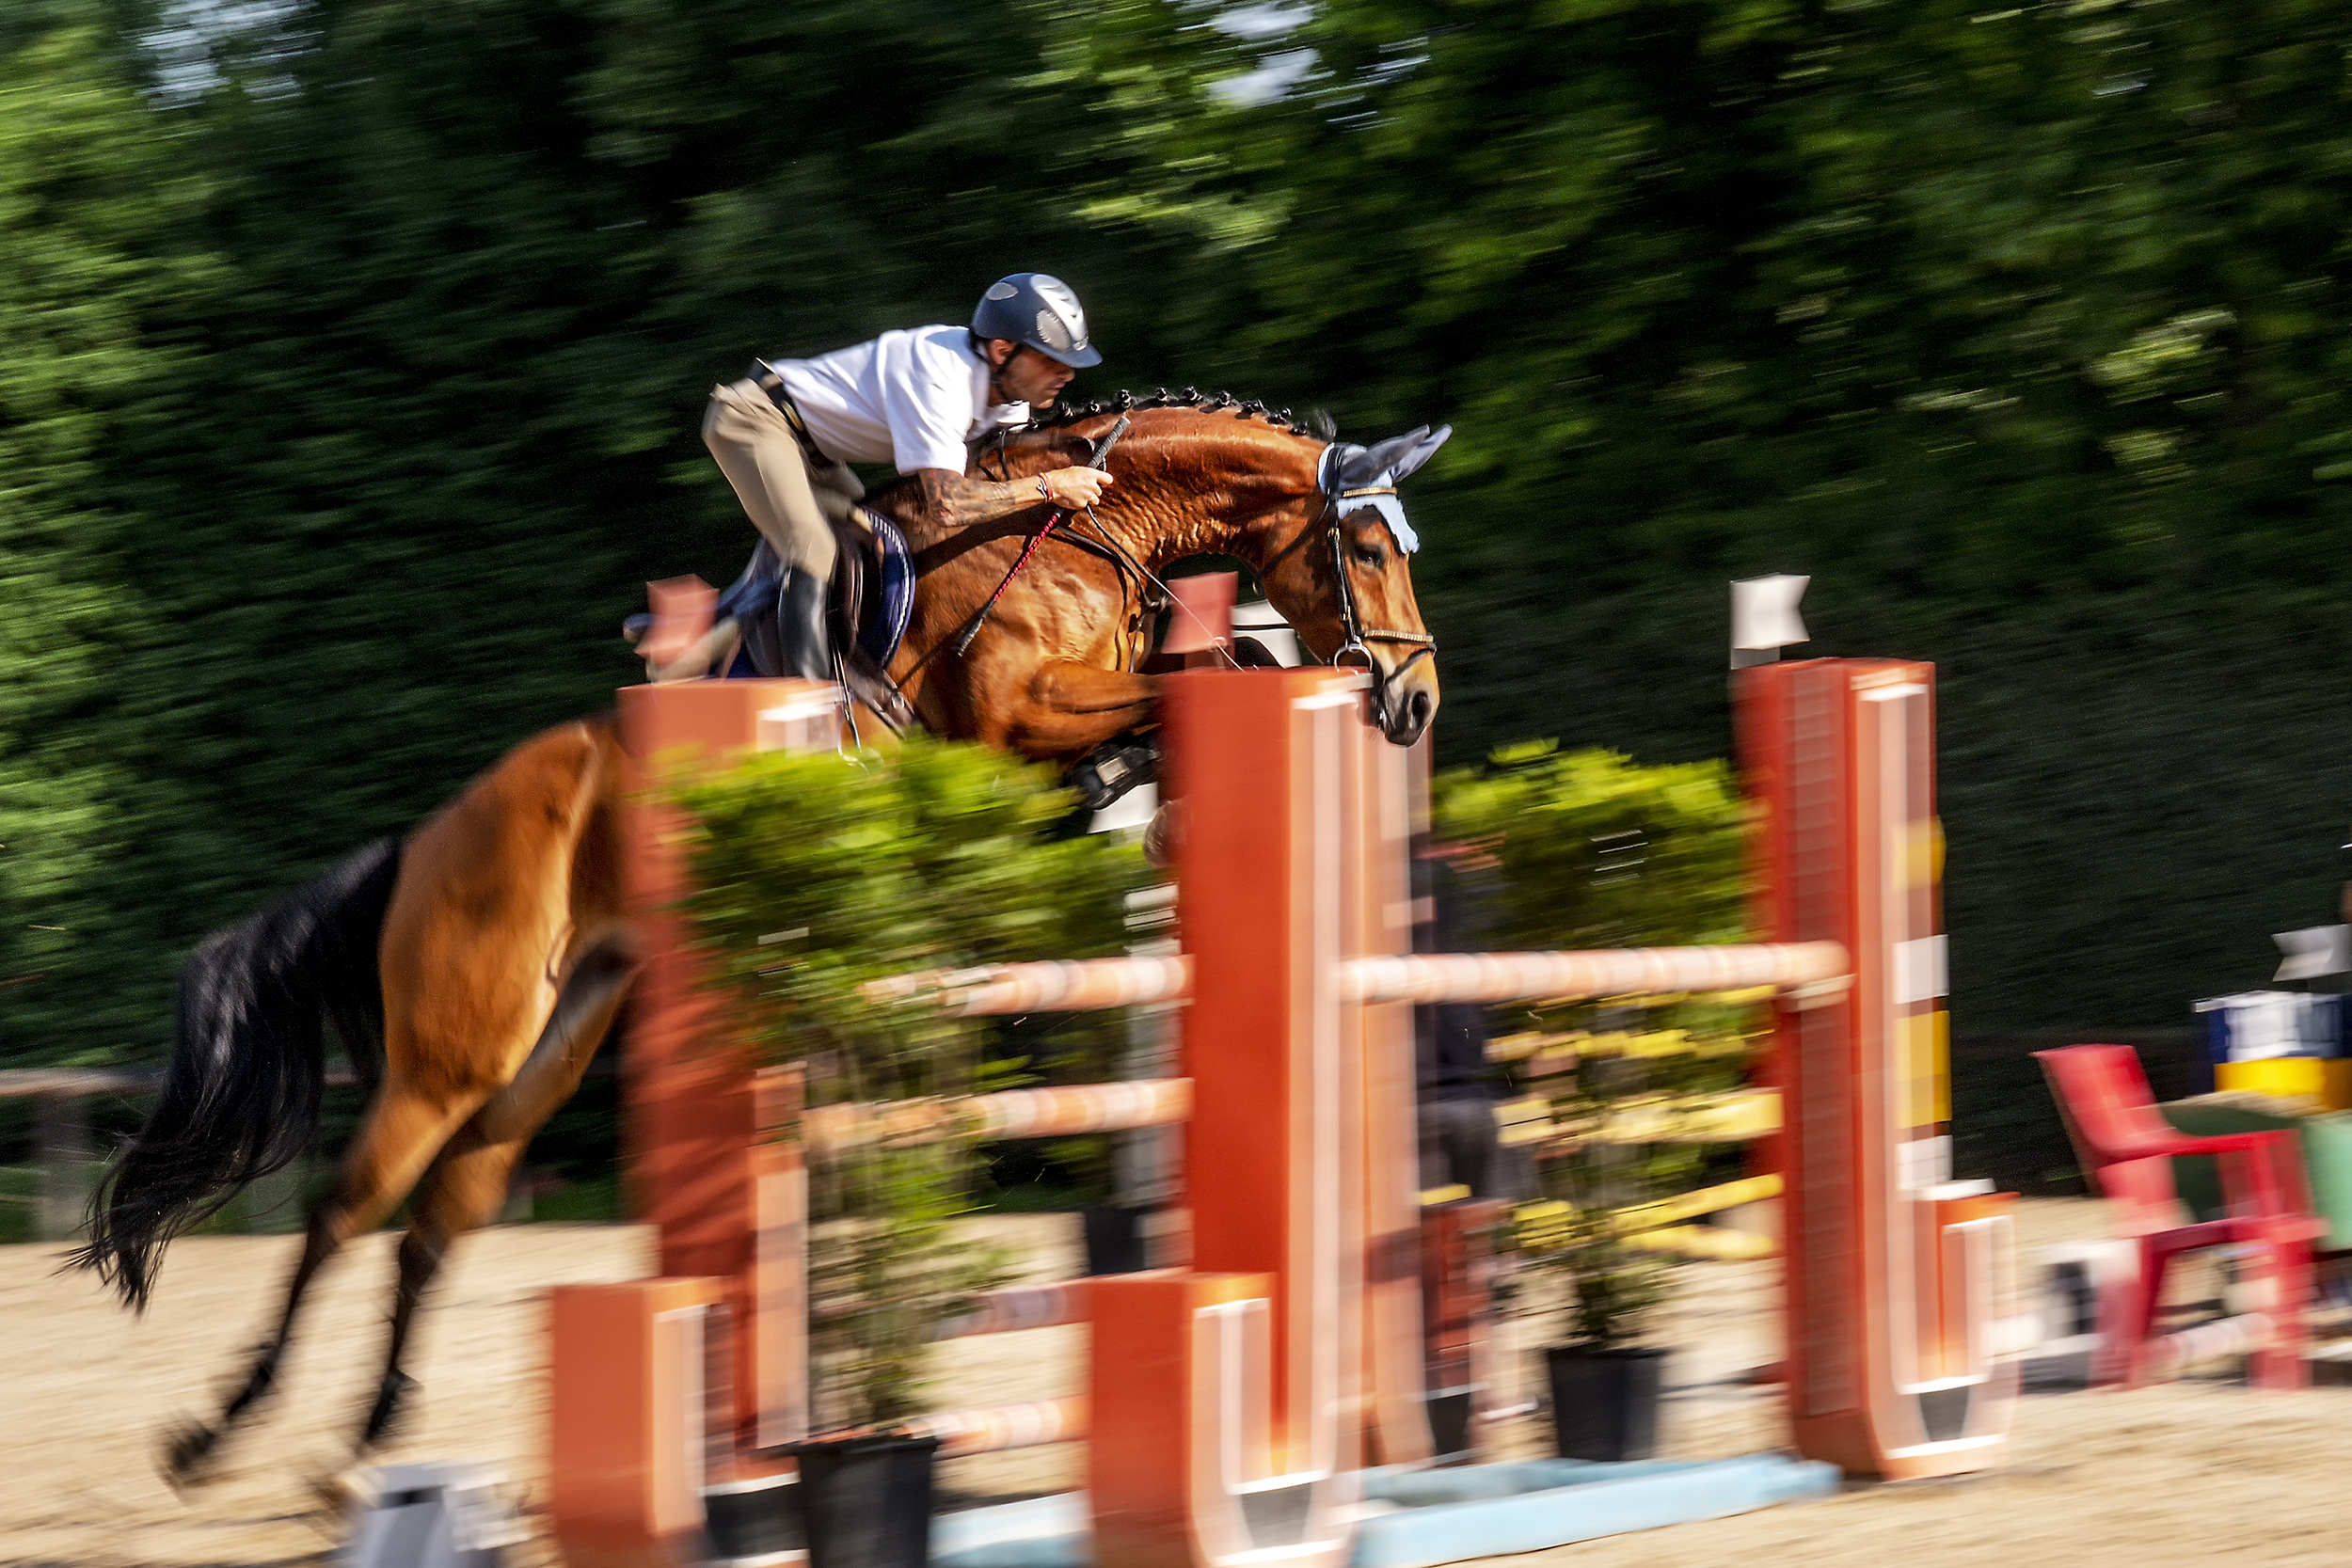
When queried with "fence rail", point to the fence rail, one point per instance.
{"points": [[66, 1160], [1084, 984], [1060, 1112], [1583, 976], [1054, 986], [1006, 1426], [87, 1082]]}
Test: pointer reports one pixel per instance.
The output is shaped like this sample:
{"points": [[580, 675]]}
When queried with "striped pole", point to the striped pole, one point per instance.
{"points": [[1082, 985], [1568, 976], [1055, 985], [1002, 1427], [1063, 1111]]}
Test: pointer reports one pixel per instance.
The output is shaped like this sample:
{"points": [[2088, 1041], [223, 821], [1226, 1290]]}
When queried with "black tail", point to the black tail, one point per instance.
{"points": [[241, 1097]]}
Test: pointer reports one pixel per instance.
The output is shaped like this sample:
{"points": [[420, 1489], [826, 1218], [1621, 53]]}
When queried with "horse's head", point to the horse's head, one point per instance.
{"points": [[1344, 579]]}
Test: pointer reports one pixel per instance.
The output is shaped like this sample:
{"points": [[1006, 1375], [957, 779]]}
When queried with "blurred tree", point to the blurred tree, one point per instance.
{"points": [[90, 203], [2022, 329]]}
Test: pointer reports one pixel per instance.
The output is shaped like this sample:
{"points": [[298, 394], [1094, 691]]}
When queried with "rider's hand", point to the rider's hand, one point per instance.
{"points": [[1072, 489]]}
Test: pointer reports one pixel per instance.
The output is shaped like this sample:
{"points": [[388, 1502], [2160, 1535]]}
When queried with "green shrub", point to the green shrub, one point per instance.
{"points": [[815, 875], [1588, 849], [1595, 851]]}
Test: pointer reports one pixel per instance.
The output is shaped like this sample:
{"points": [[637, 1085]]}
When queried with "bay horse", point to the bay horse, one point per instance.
{"points": [[490, 950], [1054, 672]]}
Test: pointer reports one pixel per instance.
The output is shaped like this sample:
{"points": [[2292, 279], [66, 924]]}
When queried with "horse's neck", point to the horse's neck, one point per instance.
{"points": [[1172, 521], [1192, 529], [1167, 521]]}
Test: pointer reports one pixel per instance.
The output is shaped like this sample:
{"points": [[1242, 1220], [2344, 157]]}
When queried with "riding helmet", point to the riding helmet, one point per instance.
{"points": [[1039, 310]]}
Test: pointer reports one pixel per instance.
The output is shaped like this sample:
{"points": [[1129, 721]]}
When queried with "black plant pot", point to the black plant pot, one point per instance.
{"points": [[1115, 1242], [1450, 1417], [867, 1500], [751, 1520], [1604, 1403]]}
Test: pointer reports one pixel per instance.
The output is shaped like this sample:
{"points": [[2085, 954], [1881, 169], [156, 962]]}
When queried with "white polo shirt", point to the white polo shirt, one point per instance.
{"points": [[910, 398]]}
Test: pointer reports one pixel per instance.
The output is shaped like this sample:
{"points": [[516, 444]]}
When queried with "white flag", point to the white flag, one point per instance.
{"points": [[2314, 951], [1764, 613]]}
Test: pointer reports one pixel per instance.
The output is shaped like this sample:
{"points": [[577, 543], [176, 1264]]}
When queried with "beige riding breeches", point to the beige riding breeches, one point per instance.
{"points": [[791, 501]]}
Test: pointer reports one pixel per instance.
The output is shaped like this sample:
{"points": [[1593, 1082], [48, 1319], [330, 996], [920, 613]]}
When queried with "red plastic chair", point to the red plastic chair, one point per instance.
{"points": [[2126, 1147]]}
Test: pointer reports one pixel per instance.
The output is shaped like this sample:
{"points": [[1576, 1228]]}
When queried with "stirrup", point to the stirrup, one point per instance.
{"points": [[1116, 766]]}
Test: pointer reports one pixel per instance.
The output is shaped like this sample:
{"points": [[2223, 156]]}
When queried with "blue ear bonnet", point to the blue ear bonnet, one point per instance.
{"points": [[1369, 476]]}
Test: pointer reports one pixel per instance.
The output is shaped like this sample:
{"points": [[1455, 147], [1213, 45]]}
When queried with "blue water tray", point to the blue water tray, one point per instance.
{"points": [[1434, 1516]]}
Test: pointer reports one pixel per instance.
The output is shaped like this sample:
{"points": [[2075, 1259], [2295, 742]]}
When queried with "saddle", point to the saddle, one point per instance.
{"points": [[871, 601], [867, 607]]}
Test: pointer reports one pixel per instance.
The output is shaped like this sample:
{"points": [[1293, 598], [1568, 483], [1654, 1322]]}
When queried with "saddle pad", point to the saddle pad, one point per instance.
{"points": [[754, 589], [886, 628]]}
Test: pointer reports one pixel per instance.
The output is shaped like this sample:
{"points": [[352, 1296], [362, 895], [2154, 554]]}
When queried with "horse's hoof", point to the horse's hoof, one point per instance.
{"points": [[384, 1419], [187, 1456], [340, 1493]]}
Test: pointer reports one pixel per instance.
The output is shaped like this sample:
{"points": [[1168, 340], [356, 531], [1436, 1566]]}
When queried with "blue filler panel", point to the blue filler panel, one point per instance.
{"points": [[1424, 1517]]}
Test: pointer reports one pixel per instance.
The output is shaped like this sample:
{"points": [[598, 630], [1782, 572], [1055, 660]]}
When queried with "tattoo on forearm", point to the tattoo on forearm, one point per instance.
{"points": [[957, 501]]}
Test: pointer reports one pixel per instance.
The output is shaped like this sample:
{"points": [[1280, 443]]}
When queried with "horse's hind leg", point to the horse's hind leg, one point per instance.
{"points": [[466, 1186], [403, 1131]]}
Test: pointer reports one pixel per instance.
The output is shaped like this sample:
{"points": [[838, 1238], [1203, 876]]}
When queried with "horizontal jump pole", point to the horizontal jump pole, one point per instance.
{"points": [[2209, 1342], [1055, 985], [998, 1428], [1648, 1218], [1707, 1200], [1018, 1308], [1063, 1110], [1568, 977], [1730, 1117], [1083, 984], [1708, 1242]]}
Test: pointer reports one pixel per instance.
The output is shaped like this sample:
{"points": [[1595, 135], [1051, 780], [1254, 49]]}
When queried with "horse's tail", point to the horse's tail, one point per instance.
{"points": [[240, 1097]]}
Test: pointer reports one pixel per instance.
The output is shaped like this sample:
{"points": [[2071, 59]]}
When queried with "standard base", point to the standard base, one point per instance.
{"points": [[1419, 1518]]}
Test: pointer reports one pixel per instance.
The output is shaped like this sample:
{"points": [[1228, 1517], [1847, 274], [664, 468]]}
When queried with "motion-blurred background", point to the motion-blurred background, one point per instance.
{"points": [[352, 354]]}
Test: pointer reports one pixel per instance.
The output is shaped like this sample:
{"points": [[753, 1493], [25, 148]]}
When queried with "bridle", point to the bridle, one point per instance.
{"points": [[1357, 649], [1359, 635]]}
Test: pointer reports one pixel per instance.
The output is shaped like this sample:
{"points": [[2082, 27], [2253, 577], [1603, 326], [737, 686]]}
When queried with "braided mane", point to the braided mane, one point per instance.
{"points": [[1317, 423]]}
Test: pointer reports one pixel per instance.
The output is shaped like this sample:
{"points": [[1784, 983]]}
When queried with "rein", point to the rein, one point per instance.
{"points": [[1054, 519]]}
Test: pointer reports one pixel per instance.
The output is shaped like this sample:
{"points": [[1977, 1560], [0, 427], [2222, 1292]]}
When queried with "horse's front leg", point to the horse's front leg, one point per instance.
{"points": [[1070, 709]]}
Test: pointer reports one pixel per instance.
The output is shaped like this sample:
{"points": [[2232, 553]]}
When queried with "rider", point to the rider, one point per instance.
{"points": [[785, 434]]}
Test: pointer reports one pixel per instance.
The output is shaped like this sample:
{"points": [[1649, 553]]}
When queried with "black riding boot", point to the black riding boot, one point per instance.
{"points": [[801, 616]]}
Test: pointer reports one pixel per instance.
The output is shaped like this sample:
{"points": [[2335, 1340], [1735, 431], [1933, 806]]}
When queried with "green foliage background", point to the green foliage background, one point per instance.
{"points": [[351, 354]]}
